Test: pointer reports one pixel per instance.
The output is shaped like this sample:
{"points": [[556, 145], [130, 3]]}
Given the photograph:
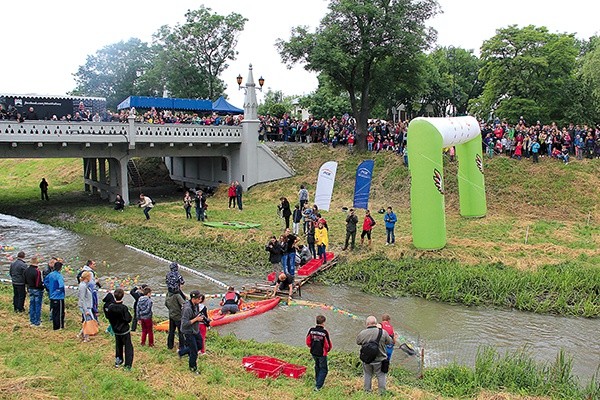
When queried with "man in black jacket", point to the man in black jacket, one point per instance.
{"points": [[191, 317], [35, 285], [136, 293], [275, 252], [351, 221], [119, 317], [320, 344], [17, 275]]}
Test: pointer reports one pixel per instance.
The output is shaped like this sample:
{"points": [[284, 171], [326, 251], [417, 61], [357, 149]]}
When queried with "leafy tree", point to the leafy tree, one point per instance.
{"points": [[356, 43], [275, 104], [196, 53], [114, 72], [452, 80], [328, 100], [526, 72], [590, 74]]}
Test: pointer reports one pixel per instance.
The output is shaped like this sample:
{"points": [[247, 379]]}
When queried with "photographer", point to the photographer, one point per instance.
{"points": [[147, 204], [275, 253], [193, 314]]}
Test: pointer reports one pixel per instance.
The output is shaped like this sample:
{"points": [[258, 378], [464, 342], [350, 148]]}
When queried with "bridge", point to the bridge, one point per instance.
{"points": [[194, 154]]}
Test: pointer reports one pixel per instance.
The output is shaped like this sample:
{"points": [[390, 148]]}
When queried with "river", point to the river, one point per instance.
{"points": [[446, 332]]}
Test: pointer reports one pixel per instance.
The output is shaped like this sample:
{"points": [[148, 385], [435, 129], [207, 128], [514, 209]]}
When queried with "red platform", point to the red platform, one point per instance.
{"points": [[263, 367], [313, 265]]}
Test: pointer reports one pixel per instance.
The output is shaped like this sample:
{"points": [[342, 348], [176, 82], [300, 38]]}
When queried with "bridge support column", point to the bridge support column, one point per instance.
{"points": [[118, 178], [102, 173]]}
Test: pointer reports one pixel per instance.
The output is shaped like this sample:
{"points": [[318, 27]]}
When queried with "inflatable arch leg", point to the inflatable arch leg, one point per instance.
{"points": [[426, 139]]}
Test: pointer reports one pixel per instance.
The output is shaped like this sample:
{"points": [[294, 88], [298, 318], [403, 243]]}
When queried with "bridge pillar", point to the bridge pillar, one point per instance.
{"points": [[121, 185], [102, 173]]}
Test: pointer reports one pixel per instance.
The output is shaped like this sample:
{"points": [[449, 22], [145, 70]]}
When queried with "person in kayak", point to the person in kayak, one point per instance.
{"points": [[230, 303]]}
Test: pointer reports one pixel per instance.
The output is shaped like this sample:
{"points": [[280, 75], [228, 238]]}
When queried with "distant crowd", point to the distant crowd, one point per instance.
{"points": [[520, 140]]}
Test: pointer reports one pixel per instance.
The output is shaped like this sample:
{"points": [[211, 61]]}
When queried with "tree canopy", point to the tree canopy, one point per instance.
{"points": [[114, 72], [356, 43], [186, 60]]}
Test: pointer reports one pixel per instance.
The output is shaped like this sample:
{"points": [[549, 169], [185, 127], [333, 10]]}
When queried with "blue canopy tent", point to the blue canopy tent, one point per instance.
{"points": [[221, 106], [165, 103]]}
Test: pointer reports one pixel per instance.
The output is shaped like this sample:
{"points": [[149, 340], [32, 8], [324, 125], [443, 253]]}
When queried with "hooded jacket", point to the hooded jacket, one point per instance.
{"points": [[144, 308], [174, 279], [119, 317], [174, 303]]}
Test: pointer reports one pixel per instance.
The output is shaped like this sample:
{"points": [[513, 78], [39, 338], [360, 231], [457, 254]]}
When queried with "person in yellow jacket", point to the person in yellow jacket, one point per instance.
{"points": [[321, 240]]}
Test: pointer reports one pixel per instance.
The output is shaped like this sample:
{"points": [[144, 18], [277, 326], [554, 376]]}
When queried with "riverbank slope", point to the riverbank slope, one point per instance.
{"points": [[538, 249]]}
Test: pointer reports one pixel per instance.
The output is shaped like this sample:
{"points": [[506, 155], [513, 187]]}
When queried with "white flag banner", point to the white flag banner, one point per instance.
{"points": [[325, 185]]}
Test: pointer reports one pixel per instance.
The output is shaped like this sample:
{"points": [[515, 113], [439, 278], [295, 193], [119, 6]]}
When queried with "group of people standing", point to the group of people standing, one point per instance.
{"points": [[234, 193], [377, 343]]}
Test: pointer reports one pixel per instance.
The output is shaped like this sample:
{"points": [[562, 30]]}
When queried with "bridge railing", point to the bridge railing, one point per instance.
{"points": [[48, 131]]}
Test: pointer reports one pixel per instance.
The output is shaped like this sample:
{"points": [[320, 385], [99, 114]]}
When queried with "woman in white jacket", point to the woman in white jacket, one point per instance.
{"points": [[147, 203]]}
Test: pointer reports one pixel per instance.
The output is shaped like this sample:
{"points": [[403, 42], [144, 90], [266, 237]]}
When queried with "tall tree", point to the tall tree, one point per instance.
{"points": [[204, 43], [590, 74], [355, 44], [328, 100], [452, 80], [526, 71], [115, 72]]}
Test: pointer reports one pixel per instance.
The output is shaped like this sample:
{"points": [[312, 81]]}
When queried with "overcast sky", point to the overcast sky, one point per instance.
{"points": [[44, 42]]}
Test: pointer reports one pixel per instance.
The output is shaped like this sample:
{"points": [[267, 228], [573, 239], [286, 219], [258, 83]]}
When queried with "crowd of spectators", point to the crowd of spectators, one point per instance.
{"points": [[520, 140]]}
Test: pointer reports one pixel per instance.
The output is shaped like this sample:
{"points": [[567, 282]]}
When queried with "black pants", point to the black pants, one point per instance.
{"points": [[123, 342], [45, 195], [232, 201], [287, 222], [350, 235], [174, 325], [134, 321], [19, 298], [193, 343], [57, 308]]}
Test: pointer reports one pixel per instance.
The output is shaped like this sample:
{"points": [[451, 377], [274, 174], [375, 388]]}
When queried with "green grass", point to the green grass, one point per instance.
{"points": [[42, 364], [541, 218]]}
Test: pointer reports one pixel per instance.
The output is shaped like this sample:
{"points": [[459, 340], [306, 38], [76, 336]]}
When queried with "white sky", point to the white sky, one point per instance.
{"points": [[44, 42]]}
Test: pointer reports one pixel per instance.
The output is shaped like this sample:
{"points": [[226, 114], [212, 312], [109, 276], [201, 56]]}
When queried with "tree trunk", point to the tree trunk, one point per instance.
{"points": [[362, 121]]}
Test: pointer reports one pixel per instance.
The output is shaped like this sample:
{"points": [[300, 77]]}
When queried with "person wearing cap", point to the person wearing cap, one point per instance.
{"points": [[55, 284], [191, 316], [351, 221], [230, 303]]}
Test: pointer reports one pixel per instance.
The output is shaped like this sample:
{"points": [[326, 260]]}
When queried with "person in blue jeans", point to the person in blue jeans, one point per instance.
{"points": [[320, 344], [191, 316], [35, 283], [390, 222]]}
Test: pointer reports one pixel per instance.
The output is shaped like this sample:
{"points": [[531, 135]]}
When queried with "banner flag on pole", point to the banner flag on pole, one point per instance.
{"points": [[325, 185], [362, 185]]}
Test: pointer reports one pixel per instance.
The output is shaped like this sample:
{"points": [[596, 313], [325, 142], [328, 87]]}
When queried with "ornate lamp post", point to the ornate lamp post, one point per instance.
{"points": [[250, 102]]}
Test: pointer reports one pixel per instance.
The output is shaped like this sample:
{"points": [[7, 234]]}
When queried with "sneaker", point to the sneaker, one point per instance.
{"points": [[195, 371], [387, 244], [118, 362]]}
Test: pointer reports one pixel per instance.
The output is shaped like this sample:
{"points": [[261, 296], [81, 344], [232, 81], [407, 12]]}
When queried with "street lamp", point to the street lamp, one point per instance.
{"points": [[261, 82]]}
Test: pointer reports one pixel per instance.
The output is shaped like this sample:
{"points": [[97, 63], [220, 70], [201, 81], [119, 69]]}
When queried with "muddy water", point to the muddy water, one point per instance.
{"points": [[446, 332]]}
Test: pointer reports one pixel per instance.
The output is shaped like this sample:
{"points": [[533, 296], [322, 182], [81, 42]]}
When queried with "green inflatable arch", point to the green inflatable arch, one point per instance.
{"points": [[426, 139]]}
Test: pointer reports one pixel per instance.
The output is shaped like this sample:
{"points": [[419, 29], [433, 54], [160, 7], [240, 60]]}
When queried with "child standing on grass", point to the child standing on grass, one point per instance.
{"points": [[119, 317], [144, 314]]}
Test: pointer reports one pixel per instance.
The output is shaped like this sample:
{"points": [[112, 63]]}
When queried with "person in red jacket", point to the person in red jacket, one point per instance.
{"points": [[368, 224], [231, 194], [320, 344]]}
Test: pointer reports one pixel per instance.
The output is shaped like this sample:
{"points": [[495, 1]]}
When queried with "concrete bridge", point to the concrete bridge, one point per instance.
{"points": [[194, 154]]}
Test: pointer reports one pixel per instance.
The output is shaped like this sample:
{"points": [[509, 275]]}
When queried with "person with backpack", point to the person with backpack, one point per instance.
{"points": [[373, 341], [368, 224]]}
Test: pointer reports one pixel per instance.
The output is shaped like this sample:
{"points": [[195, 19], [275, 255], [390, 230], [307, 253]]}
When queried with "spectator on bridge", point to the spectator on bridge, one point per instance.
{"points": [[147, 204], [44, 189], [31, 114]]}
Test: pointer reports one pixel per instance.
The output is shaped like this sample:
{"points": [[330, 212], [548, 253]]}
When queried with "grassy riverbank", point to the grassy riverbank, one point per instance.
{"points": [[45, 364], [537, 250]]}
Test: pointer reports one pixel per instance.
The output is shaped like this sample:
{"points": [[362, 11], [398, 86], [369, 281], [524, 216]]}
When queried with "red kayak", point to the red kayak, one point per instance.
{"points": [[248, 310]]}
